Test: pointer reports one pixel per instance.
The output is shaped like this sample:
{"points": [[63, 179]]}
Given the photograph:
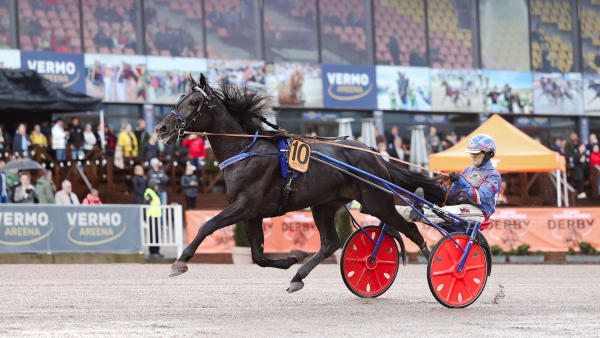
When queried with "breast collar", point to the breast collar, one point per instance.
{"points": [[187, 121]]}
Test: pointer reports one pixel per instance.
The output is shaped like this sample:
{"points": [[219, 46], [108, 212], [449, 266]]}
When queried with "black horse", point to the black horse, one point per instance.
{"points": [[255, 185]]}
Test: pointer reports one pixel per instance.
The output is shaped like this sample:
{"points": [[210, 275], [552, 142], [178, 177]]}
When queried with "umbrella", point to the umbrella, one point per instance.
{"points": [[23, 164]]}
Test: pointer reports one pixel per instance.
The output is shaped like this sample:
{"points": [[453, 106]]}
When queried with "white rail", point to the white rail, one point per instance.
{"points": [[168, 228]]}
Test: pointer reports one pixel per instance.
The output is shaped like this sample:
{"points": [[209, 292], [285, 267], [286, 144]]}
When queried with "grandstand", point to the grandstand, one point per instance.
{"points": [[590, 40], [231, 29], [343, 31], [450, 43], [109, 26]]}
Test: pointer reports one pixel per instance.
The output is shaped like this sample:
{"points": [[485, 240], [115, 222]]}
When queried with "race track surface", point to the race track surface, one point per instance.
{"points": [[249, 301]]}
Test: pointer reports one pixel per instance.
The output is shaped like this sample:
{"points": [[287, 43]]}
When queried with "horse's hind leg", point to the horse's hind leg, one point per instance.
{"points": [[255, 234], [324, 220]]}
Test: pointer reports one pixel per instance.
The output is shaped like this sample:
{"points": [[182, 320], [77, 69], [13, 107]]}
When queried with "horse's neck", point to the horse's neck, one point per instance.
{"points": [[225, 147]]}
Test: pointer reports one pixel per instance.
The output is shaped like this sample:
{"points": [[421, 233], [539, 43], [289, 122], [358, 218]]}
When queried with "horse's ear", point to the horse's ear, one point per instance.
{"points": [[194, 84], [202, 81]]}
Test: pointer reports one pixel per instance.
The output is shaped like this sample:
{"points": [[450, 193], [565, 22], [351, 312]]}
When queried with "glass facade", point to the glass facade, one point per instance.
{"points": [[590, 39], [5, 24], [48, 26], [290, 30], [400, 35], [109, 26], [174, 28], [343, 31], [504, 35]]}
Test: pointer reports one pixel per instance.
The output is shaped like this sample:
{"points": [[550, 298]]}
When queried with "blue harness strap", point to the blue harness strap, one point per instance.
{"points": [[246, 148], [282, 159]]}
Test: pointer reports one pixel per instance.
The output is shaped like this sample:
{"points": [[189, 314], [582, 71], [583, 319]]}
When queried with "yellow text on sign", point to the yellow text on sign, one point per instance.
{"points": [[299, 156]]}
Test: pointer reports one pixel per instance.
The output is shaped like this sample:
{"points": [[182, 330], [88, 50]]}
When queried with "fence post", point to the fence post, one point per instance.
{"points": [[179, 229]]}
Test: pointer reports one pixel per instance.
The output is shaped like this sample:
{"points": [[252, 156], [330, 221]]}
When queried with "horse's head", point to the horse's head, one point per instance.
{"points": [[191, 112]]}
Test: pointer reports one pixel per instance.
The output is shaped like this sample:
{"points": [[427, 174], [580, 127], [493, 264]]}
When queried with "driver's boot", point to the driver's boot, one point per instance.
{"points": [[414, 216]]}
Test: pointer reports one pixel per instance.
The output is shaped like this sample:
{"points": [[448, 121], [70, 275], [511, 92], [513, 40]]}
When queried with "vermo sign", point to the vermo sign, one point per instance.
{"points": [[349, 86], [70, 229]]}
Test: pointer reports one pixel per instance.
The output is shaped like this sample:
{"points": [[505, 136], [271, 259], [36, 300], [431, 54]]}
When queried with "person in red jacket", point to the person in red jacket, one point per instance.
{"points": [[196, 150], [92, 198]]}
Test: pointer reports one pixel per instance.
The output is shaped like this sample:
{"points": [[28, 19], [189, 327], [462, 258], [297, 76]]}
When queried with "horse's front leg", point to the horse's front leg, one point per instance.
{"points": [[231, 215], [256, 238]]}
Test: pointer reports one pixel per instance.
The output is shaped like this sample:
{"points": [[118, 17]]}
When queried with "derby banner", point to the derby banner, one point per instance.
{"points": [[56, 229], [545, 229]]}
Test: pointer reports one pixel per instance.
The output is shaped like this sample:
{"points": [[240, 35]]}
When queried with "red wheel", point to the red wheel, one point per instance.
{"points": [[449, 287], [364, 278]]}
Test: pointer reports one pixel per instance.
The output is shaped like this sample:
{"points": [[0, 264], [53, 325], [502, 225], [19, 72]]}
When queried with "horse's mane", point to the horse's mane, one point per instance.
{"points": [[246, 105]]}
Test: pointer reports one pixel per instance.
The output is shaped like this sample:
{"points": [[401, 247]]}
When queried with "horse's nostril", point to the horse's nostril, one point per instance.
{"points": [[162, 129]]}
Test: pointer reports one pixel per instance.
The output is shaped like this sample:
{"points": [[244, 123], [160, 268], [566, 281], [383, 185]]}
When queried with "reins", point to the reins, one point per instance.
{"points": [[316, 140]]}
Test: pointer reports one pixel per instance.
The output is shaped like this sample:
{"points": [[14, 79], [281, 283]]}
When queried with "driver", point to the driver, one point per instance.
{"points": [[473, 191]]}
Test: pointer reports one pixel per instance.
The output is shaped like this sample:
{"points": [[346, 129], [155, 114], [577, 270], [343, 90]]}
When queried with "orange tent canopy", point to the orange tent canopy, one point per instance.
{"points": [[515, 151]]}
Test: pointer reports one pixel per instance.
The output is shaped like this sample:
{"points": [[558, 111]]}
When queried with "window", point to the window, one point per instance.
{"points": [[400, 32], [452, 34], [109, 26], [290, 28], [504, 35], [590, 39], [117, 115], [551, 36], [174, 28], [50, 27], [232, 29], [5, 24], [343, 31]]}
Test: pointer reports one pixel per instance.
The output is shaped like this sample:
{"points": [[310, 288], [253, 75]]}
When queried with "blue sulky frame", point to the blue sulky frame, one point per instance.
{"points": [[414, 199]]}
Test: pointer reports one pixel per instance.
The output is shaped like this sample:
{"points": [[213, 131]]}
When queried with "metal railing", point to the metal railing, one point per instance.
{"points": [[165, 230]]}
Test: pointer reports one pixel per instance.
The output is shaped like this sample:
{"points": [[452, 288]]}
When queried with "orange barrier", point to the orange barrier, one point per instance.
{"points": [[546, 229]]}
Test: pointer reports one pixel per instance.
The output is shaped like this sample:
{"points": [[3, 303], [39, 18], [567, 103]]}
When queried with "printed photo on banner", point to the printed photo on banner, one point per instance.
{"points": [[66, 70], [508, 92], [10, 58], [116, 78], [591, 93], [295, 84], [557, 93], [456, 90], [169, 77], [349, 87], [406, 88], [237, 72]]}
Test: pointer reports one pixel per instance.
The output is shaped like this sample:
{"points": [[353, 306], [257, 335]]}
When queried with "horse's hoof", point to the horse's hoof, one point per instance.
{"points": [[298, 254], [178, 268], [295, 286]]}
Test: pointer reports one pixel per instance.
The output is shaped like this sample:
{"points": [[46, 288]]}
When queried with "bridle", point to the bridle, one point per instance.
{"points": [[189, 120]]}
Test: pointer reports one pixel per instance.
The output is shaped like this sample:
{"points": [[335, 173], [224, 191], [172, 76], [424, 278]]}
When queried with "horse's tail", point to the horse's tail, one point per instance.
{"points": [[411, 180]]}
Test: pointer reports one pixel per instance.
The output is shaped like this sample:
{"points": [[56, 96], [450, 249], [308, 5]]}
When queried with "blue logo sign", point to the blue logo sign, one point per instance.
{"points": [[349, 87], [67, 70]]}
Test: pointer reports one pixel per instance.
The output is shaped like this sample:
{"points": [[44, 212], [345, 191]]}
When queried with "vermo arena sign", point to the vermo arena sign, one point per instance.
{"points": [[48, 228]]}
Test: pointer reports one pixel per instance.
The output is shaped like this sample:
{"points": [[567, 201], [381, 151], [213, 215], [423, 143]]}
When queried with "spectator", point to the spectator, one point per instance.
{"points": [[76, 139], [197, 152], [558, 146], [92, 198], [189, 182], [89, 138], [156, 173], [109, 140], [4, 187], [37, 138], [594, 156], [128, 142], [593, 141], [5, 140], [46, 129], [25, 193], [571, 145], [139, 184], [394, 134], [581, 164], [154, 214], [398, 149], [66, 195], [46, 188], [140, 133], [22, 142], [58, 140], [433, 141], [150, 149], [382, 148]]}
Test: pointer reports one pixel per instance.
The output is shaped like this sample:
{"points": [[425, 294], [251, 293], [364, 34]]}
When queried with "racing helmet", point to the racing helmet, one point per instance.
{"points": [[482, 143]]}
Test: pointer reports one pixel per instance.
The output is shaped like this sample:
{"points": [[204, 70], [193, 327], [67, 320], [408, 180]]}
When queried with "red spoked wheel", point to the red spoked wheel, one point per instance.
{"points": [[364, 278], [449, 287]]}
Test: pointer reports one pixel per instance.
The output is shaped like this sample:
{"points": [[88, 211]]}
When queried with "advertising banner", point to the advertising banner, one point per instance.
{"points": [[237, 72], [557, 93], [67, 70], [406, 88], [545, 229], [591, 93], [10, 58], [169, 77], [349, 87], [456, 90], [295, 84], [508, 92], [55, 229], [116, 78]]}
